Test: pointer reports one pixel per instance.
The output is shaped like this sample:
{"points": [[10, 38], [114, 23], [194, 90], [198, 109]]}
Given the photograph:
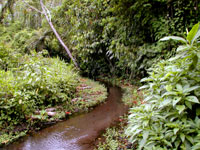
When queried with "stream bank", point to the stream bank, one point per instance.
{"points": [[88, 95], [114, 138], [78, 133]]}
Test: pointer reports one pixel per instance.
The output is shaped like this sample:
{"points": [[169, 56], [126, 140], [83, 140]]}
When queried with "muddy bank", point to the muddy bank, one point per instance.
{"points": [[78, 133]]}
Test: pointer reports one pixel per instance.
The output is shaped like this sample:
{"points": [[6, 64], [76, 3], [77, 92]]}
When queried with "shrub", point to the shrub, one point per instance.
{"points": [[170, 117], [39, 82], [9, 58]]}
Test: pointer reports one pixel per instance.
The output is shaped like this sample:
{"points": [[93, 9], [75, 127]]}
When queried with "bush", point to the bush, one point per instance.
{"points": [[39, 82], [9, 58], [170, 117]]}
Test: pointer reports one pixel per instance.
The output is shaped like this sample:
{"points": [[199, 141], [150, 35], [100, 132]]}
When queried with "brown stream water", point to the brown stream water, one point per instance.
{"points": [[78, 133]]}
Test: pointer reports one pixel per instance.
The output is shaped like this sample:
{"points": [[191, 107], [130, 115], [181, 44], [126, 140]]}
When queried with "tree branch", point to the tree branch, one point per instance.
{"points": [[47, 15], [48, 18], [33, 7]]}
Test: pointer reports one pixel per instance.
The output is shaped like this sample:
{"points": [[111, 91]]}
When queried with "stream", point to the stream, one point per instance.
{"points": [[79, 132]]}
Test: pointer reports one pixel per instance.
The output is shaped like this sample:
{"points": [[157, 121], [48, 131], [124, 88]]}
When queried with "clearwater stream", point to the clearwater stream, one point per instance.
{"points": [[79, 132]]}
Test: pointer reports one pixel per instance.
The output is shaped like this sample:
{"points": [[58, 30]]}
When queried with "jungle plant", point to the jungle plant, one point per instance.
{"points": [[170, 117], [38, 83]]}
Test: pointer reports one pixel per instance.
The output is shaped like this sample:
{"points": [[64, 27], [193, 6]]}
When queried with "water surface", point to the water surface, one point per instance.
{"points": [[78, 133]]}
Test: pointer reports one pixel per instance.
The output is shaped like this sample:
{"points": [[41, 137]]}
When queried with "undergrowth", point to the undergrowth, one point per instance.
{"points": [[114, 137], [169, 119]]}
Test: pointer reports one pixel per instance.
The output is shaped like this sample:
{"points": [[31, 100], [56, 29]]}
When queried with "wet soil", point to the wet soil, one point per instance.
{"points": [[78, 133]]}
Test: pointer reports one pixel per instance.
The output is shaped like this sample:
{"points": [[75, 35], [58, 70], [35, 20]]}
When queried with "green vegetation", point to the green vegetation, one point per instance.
{"points": [[110, 38], [39, 82], [115, 37], [87, 94], [118, 37], [170, 117], [36, 89], [114, 138], [131, 95]]}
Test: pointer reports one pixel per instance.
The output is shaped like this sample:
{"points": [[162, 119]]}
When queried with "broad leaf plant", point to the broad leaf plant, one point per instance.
{"points": [[169, 117]]}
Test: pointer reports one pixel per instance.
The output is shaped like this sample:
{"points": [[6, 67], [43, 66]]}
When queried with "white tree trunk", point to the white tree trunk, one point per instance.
{"points": [[47, 15], [48, 18]]}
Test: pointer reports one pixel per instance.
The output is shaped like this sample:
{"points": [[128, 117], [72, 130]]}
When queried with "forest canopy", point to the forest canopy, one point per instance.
{"points": [[116, 36]]}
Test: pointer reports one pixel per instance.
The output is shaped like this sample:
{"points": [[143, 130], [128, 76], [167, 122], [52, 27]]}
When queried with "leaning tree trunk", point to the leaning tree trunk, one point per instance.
{"points": [[45, 11], [47, 15]]}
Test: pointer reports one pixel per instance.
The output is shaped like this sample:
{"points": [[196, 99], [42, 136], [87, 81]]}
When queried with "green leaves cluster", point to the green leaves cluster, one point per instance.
{"points": [[38, 83], [107, 35], [169, 119]]}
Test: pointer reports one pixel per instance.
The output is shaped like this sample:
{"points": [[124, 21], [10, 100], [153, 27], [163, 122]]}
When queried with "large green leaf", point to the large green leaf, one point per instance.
{"points": [[168, 88], [188, 104], [177, 38], [175, 130], [189, 89], [196, 147], [196, 36], [180, 108], [193, 99], [146, 80], [189, 138], [179, 87], [183, 48], [182, 136], [193, 34], [143, 141]]}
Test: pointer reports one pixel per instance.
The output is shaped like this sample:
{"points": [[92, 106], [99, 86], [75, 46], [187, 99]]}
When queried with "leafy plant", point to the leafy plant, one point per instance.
{"points": [[39, 82], [170, 117]]}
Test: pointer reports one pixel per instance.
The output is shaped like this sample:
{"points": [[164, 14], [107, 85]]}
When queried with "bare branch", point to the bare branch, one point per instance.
{"points": [[47, 12], [47, 15], [33, 7]]}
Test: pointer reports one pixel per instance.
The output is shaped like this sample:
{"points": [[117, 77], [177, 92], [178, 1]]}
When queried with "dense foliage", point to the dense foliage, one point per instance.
{"points": [[170, 117], [36, 89], [110, 36], [118, 36], [38, 83]]}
